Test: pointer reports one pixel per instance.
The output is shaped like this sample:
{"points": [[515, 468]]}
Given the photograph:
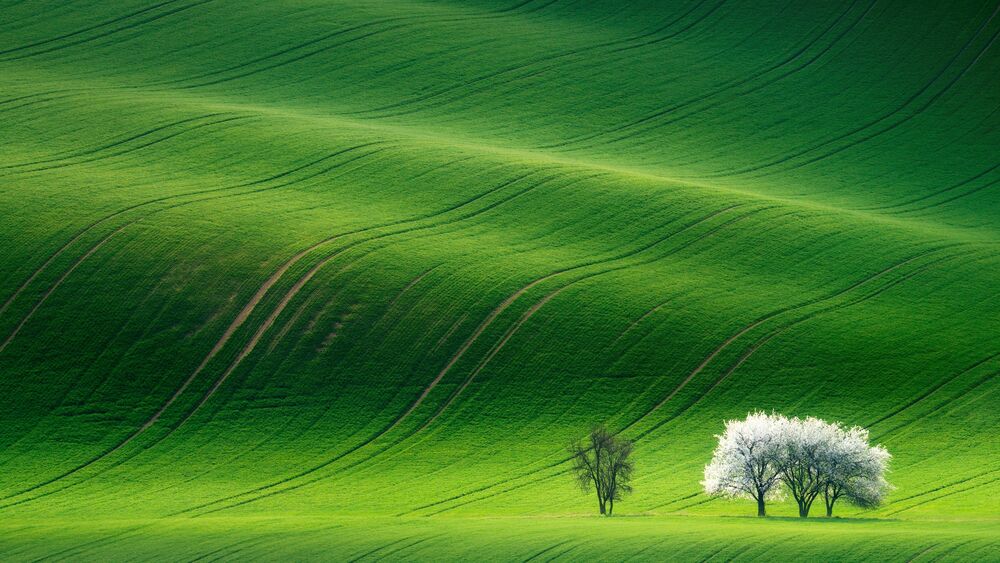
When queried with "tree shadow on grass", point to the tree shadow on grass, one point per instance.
{"points": [[832, 520]]}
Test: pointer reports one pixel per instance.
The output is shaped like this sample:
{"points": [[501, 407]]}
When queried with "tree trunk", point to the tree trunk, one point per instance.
{"points": [[611, 507], [600, 501], [804, 506], [829, 501], [760, 507]]}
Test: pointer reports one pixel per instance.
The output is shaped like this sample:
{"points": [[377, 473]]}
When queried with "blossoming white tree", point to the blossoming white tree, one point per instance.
{"points": [[811, 457], [806, 449], [855, 470], [744, 464]]}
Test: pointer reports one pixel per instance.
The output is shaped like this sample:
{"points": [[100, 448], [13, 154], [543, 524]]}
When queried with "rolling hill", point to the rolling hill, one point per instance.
{"points": [[292, 279]]}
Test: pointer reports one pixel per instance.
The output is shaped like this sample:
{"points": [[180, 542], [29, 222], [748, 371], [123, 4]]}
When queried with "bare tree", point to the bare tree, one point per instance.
{"points": [[746, 461], [603, 464]]}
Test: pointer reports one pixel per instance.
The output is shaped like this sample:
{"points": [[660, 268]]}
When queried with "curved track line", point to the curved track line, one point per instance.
{"points": [[451, 330], [48, 262], [397, 297], [684, 29], [755, 88], [86, 29], [507, 70], [947, 494], [401, 22], [905, 119], [90, 226], [283, 332], [240, 318], [870, 124], [988, 377], [493, 352], [452, 361], [538, 554], [321, 172], [66, 155], [134, 149], [486, 488], [780, 330], [379, 548], [104, 34], [932, 194], [931, 391], [229, 550], [53, 287], [534, 308], [300, 283], [639, 320], [757, 345], [945, 486], [705, 363], [34, 102], [503, 492], [251, 305], [413, 405], [725, 344], [506, 303], [950, 199], [723, 89]]}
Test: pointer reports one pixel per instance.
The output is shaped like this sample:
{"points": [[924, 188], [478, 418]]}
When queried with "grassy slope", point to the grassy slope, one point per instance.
{"points": [[308, 257]]}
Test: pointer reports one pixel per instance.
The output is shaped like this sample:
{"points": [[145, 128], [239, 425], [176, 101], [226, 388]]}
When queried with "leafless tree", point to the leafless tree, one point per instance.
{"points": [[603, 464]]}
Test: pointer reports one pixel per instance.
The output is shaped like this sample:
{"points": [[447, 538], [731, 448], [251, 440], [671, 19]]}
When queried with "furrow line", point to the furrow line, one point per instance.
{"points": [[534, 308], [780, 330], [505, 339], [105, 218], [106, 33], [724, 88], [510, 69], [137, 148], [133, 137], [701, 367], [932, 194], [401, 21], [397, 420], [86, 29], [941, 496], [755, 88], [910, 100], [238, 321], [935, 409], [725, 344], [53, 288], [932, 390], [454, 359]]}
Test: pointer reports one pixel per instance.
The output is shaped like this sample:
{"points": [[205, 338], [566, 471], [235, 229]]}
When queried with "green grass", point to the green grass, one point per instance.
{"points": [[271, 267], [543, 539]]}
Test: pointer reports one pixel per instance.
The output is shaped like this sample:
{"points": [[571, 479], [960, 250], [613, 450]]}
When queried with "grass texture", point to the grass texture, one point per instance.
{"points": [[291, 279]]}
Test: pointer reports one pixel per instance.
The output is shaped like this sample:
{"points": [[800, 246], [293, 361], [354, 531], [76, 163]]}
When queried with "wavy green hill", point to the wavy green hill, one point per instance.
{"points": [[291, 279]]}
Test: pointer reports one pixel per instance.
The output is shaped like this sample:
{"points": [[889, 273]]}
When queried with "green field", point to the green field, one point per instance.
{"points": [[340, 279]]}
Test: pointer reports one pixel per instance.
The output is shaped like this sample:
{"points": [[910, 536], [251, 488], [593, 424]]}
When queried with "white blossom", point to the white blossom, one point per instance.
{"points": [[855, 470], [810, 457], [744, 463]]}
